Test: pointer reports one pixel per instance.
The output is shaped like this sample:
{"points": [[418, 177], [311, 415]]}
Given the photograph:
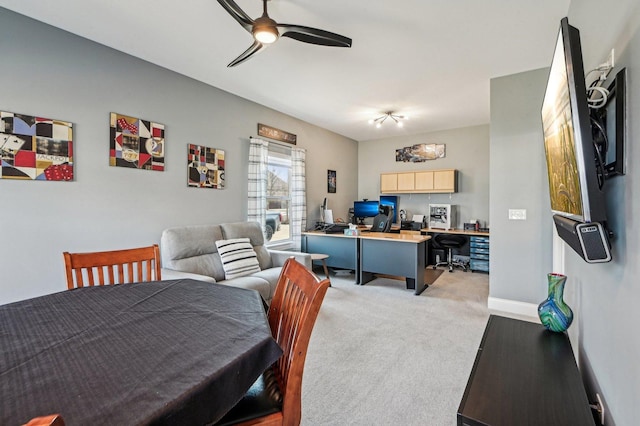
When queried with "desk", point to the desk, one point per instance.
{"points": [[170, 352], [394, 254], [478, 249], [524, 375], [468, 233], [343, 250], [373, 252]]}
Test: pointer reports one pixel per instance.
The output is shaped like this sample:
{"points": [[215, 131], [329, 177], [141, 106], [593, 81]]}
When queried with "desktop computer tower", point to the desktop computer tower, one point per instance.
{"points": [[442, 216]]}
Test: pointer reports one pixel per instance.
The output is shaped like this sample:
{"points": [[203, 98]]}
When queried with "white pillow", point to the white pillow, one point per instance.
{"points": [[238, 257]]}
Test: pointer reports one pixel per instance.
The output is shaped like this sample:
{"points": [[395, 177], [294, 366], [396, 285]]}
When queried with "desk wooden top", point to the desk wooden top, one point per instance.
{"points": [[455, 231], [409, 238], [330, 234]]}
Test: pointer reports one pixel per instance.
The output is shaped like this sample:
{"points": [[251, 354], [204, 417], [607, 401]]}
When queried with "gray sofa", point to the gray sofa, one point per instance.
{"points": [[191, 252]]}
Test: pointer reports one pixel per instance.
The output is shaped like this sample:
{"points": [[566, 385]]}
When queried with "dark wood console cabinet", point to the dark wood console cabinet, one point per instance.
{"points": [[524, 375]]}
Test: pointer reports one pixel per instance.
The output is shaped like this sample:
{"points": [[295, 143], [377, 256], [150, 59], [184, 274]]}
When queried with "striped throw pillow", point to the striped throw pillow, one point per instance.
{"points": [[238, 257]]}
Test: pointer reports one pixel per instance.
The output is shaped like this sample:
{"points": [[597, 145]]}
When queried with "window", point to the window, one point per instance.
{"points": [[278, 194]]}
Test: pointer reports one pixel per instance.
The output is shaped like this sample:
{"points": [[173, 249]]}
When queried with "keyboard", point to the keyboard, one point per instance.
{"points": [[335, 228]]}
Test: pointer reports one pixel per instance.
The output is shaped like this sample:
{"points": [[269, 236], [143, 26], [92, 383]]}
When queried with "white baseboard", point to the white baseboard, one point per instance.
{"points": [[514, 307]]}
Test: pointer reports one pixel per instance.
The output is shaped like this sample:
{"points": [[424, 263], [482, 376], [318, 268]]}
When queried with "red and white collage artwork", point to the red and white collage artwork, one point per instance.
{"points": [[35, 148]]}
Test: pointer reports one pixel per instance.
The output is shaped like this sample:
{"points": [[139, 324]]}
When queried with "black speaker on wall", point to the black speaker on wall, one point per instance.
{"points": [[589, 240]]}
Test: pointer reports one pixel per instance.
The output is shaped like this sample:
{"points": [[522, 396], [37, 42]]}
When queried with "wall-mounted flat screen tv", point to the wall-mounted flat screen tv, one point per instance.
{"points": [[574, 185], [573, 180]]}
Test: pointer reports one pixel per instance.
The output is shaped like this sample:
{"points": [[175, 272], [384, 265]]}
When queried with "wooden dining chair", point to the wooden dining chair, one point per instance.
{"points": [[275, 398], [113, 267], [51, 420]]}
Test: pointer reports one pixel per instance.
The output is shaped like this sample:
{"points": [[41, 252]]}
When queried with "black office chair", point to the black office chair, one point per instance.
{"points": [[450, 242], [382, 222]]}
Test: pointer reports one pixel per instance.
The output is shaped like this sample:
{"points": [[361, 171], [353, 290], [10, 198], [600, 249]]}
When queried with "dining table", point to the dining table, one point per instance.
{"points": [[177, 352]]}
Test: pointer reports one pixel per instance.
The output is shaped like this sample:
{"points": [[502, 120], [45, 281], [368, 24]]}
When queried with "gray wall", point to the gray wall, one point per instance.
{"points": [[604, 297], [51, 73], [608, 294], [520, 249], [467, 150]]}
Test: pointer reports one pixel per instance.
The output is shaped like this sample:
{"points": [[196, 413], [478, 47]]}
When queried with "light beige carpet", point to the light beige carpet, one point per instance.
{"points": [[379, 355]]}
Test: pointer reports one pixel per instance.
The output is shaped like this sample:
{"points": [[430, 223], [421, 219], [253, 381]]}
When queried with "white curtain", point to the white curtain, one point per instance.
{"points": [[298, 190], [257, 191]]}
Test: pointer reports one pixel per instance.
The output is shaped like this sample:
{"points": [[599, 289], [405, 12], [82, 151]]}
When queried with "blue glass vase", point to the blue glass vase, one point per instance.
{"points": [[554, 314]]}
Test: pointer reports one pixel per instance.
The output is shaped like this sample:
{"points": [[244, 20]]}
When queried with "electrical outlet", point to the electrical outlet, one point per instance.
{"points": [[517, 214]]}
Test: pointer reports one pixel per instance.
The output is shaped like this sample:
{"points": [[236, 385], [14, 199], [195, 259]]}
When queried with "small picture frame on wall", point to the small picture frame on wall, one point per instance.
{"points": [[136, 143], [35, 148], [331, 181], [205, 167]]}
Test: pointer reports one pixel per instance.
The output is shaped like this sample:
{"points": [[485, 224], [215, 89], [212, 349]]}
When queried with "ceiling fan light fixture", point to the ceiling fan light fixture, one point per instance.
{"points": [[264, 29], [265, 34]]}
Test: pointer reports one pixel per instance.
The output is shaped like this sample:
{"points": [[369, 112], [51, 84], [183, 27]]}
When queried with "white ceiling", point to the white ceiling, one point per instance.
{"points": [[429, 59]]}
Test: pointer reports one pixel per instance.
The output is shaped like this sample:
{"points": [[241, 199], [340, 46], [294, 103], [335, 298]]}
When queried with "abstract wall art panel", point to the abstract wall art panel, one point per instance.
{"points": [[35, 148], [420, 152], [205, 167], [136, 143]]}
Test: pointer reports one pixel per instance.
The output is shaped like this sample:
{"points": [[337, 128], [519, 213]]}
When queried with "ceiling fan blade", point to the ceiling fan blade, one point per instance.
{"points": [[253, 49], [238, 14], [313, 35]]}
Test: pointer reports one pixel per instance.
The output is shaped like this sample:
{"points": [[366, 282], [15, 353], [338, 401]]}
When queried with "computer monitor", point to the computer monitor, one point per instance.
{"points": [[363, 209], [391, 200]]}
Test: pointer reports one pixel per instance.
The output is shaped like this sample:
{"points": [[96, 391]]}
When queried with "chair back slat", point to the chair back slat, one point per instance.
{"points": [[148, 268], [292, 314], [122, 266], [78, 274], [51, 420], [100, 276]]}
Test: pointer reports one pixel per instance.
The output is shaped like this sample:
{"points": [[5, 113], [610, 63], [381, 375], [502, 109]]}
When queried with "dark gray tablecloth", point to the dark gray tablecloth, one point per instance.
{"points": [[177, 352]]}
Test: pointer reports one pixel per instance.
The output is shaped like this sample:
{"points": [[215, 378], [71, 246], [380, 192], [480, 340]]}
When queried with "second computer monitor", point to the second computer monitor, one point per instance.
{"points": [[363, 209], [391, 200]]}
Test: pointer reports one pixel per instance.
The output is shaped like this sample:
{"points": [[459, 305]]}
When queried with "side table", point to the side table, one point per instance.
{"points": [[322, 258], [524, 375]]}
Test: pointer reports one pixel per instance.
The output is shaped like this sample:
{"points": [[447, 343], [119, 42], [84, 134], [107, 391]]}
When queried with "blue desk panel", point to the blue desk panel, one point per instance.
{"points": [[342, 251], [393, 257]]}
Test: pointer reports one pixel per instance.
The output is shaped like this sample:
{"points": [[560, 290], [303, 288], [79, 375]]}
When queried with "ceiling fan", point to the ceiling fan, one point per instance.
{"points": [[265, 31]]}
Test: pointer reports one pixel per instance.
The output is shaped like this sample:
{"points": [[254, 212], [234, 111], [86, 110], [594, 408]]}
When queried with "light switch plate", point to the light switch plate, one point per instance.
{"points": [[517, 214]]}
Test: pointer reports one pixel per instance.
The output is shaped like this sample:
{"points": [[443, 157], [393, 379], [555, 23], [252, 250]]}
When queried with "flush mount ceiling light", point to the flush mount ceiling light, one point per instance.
{"points": [[398, 119]]}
